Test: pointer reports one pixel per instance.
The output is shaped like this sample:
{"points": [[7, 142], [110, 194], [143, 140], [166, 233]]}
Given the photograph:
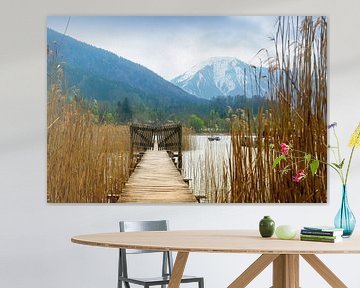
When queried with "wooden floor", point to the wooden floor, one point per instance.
{"points": [[156, 180]]}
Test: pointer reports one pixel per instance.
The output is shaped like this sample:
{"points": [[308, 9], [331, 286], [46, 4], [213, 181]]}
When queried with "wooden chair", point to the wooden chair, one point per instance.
{"points": [[167, 265]]}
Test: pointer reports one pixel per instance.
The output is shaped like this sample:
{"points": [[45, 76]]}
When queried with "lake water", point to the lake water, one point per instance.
{"points": [[207, 165]]}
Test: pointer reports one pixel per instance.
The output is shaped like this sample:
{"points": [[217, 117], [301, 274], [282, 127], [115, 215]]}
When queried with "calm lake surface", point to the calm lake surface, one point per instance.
{"points": [[207, 165]]}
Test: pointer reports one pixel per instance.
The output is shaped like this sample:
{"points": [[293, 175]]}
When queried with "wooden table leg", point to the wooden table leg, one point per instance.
{"points": [[253, 270], [178, 270], [286, 271], [324, 271]]}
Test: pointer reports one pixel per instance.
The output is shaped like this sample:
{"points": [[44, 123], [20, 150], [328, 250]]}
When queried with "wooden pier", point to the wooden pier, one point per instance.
{"points": [[156, 180]]}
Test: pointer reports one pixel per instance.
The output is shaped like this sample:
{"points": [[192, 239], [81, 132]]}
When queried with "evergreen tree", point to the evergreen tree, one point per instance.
{"points": [[109, 118], [118, 112], [126, 110]]}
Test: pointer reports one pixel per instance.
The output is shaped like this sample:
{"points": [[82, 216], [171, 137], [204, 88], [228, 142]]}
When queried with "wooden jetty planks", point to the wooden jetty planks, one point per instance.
{"points": [[156, 179]]}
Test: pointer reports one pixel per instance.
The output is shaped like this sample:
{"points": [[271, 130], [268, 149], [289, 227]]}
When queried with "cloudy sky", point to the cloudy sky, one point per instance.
{"points": [[172, 45]]}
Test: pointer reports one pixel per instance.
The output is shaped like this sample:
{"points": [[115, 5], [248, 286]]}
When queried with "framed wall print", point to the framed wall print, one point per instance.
{"points": [[187, 109]]}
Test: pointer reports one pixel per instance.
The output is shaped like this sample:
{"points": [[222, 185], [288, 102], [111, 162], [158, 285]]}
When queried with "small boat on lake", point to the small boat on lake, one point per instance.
{"points": [[214, 138]]}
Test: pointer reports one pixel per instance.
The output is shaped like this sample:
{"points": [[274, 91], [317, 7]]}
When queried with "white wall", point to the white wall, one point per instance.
{"points": [[35, 248]]}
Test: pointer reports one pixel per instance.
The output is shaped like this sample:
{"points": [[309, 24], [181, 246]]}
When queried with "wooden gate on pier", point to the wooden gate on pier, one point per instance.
{"points": [[160, 137], [156, 178]]}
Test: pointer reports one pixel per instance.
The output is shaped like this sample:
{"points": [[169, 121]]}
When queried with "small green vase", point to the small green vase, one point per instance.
{"points": [[266, 226]]}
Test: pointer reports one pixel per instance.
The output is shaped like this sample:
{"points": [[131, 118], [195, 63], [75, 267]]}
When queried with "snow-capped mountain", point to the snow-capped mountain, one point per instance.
{"points": [[223, 76]]}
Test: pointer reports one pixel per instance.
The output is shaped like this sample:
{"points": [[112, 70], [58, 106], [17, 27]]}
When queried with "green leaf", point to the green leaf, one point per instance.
{"points": [[339, 166], [271, 146], [307, 158], [314, 165], [336, 165], [277, 160], [342, 163]]}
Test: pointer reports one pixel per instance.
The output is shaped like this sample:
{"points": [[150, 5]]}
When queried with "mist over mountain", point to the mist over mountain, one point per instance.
{"points": [[104, 76], [223, 76]]}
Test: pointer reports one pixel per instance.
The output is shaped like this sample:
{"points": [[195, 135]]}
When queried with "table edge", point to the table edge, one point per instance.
{"points": [[75, 240]]}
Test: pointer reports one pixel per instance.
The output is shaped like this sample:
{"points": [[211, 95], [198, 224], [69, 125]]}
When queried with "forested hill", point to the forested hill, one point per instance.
{"points": [[102, 75]]}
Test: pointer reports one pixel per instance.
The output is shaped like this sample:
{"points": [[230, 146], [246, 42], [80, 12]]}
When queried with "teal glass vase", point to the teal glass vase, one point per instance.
{"points": [[345, 219]]}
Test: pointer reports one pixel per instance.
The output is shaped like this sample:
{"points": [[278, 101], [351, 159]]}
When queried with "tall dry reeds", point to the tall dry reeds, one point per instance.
{"points": [[86, 161], [186, 138], [296, 115]]}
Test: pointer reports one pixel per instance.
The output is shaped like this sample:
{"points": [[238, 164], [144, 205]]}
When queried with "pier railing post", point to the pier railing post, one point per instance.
{"points": [[179, 147]]}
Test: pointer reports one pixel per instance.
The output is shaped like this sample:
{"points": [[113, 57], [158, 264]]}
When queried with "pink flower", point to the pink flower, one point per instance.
{"points": [[284, 148], [300, 174]]}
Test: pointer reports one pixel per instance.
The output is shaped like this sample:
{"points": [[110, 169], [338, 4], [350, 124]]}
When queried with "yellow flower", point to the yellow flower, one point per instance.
{"points": [[355, 138]]}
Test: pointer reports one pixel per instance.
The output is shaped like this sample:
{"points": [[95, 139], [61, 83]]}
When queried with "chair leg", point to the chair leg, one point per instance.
{"points": [[201, 283], [126, 284]]}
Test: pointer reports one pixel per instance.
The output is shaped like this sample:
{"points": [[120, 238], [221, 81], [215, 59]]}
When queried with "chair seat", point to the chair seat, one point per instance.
{"points": [[158, 280]]}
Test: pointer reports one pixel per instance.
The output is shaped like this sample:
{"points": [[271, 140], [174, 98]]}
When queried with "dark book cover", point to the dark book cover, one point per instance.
{"points": [[321, 233]]}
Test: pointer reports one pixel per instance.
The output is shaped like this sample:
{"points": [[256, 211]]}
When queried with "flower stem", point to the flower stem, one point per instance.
{"points": [[348, 166], [339, 155], [337, 145]]}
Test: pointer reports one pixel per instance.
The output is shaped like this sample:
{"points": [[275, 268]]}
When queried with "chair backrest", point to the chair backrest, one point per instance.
{"points": [[134, 226]]}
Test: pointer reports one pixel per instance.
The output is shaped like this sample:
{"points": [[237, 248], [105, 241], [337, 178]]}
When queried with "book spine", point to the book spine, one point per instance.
{"points": [[319, 236], [320, 233], [318, 239]]}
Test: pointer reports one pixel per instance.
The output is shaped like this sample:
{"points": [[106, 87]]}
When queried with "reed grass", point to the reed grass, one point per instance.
{"points": [[186, 139], [296, 115], [86, 161]]}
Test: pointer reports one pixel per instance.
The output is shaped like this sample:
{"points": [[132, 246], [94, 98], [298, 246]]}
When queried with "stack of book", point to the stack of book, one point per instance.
{"points": [[321, 234]]}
